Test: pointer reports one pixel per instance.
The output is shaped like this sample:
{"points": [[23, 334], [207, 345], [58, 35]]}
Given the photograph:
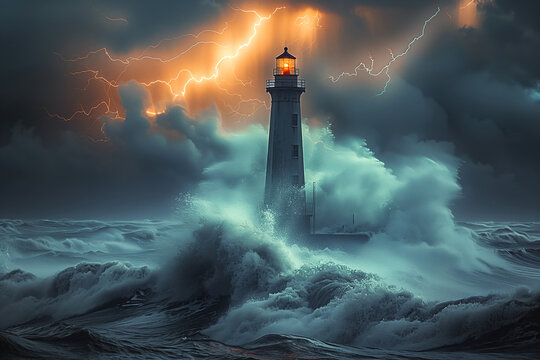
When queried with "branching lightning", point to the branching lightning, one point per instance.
{"points": [[106, 107], [88, 112], [261, 19], [385, 69], [314, 21], [468, 4], [116, 19], [141, 56], [175, 76]]}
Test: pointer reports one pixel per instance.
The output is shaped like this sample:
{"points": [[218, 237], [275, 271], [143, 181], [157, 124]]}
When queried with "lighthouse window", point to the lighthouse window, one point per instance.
{"points": [[295, 151], [294, 121]]}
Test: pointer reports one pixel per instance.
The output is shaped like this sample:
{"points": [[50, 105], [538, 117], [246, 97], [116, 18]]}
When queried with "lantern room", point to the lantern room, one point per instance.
{"points": [[285, 64]]}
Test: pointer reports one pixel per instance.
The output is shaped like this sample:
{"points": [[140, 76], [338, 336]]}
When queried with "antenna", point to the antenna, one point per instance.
{"points": [[314, 206]]}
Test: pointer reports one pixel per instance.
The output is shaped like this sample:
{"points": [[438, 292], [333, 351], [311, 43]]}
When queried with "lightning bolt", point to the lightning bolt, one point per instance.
{"points": [[88, 112], [305, 20], [467, 5], [238, 50], [236, 109], [97, 75], [116, 19], [130, 59], [393, 58]]}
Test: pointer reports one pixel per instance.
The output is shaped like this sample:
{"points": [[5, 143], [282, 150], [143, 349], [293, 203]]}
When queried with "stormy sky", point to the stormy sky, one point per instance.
{"points": [[466, 96]]}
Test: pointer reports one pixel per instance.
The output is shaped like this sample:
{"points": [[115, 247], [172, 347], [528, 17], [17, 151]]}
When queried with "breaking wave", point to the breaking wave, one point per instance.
{"points": [[262, 295]]}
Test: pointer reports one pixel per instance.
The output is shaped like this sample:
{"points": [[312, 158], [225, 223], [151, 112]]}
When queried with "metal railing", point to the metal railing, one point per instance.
{"points": [[279, 71], [286, 83]]}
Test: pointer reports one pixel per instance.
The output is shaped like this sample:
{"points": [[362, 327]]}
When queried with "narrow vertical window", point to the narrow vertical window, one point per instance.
{"points": [[295, 151], [294, 120]]}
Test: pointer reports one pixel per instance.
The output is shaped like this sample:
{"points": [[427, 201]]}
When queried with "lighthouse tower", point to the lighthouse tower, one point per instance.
{"points": [[284, 191]]}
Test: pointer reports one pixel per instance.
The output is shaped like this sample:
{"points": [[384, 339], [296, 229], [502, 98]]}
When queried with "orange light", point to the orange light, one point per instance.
{"points": [[468, 13], [194, 71], [286, 70], [285, 66]]}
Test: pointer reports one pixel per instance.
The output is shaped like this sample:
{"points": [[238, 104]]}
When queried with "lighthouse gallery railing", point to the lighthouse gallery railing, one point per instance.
{"points": [[289, 83]]}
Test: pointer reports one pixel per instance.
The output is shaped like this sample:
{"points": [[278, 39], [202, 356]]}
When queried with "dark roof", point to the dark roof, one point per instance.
{"points": [[285, 55]]}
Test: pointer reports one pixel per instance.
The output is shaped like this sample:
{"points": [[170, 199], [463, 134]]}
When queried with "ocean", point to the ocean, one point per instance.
{"points": [[217, 290]]}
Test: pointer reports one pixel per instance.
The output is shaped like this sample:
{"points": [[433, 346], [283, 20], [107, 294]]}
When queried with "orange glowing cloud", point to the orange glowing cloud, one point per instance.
{"points": [[219, 66], [224, 64], [467, 13]]}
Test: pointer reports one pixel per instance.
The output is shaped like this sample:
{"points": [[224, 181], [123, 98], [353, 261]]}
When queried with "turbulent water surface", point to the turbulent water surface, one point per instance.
{"points": [[157, 289]]}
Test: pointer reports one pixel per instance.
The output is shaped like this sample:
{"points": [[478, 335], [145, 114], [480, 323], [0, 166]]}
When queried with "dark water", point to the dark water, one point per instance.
{"points": [[153, 289]]}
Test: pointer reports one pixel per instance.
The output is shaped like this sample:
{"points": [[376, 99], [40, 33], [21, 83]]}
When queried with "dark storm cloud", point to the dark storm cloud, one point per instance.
{"points": [[48, 168], [485, 80], [138, 173], [511, 32], [473, 91], [33, 75], [465, 96]]}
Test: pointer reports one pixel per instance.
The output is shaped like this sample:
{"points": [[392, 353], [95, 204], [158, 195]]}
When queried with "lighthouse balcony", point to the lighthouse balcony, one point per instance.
{"points": [[286, 71], [292, 82]]}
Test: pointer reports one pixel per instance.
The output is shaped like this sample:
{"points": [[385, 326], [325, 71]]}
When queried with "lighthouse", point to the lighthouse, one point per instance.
{"points": [[284, 190]]}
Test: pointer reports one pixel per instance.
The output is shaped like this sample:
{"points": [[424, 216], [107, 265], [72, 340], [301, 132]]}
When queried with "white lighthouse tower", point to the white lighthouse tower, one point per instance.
{"points": [[284, 191]]}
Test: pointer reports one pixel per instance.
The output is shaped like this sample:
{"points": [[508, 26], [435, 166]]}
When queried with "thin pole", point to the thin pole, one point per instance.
{"points": [[314, 206], [353, 218]]}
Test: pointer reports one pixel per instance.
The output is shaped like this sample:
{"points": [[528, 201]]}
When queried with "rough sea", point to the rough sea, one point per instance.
{"points": [[166, 290]]}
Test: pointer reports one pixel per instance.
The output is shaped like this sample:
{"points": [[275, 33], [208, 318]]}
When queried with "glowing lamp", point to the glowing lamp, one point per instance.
{"points": [[285, 64]]}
